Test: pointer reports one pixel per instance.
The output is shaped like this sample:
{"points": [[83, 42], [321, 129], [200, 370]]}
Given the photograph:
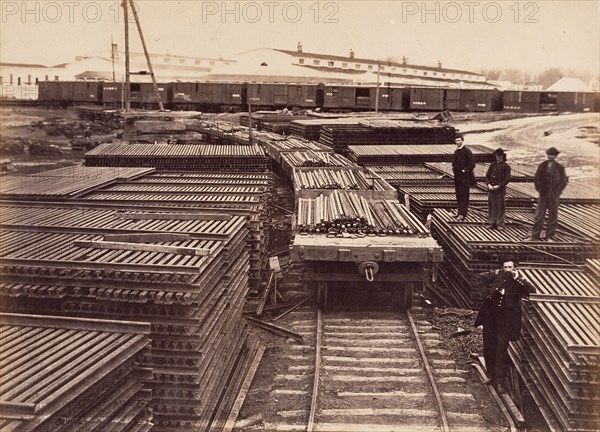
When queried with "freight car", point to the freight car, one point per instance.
{"points": [[65, 93]]}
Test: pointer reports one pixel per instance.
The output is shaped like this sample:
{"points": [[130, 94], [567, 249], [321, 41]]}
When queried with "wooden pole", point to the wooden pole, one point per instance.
{"points": [[126, 94], [154, 84]]}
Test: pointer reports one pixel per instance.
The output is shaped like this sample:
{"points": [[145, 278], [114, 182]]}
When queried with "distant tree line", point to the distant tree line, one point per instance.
{"points": [[544, 79]]}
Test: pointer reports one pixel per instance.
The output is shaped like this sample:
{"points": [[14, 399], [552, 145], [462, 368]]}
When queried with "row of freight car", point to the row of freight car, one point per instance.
{"points": [[218, 96]]}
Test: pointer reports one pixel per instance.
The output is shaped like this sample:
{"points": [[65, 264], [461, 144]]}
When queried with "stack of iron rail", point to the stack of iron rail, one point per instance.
{"points": [[384, 132], [275, 148], [185, 273], [346, 214], [73, 375], [423, 199], [416, 174], [376, 154], [311, 158], [311, 128], [199, 157], [471, 248], [559, 353], [271, 121], [519, 173]]}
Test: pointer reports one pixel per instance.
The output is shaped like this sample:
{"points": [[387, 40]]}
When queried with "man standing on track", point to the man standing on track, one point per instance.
{"points": [[500, 315], [550, 181], [463, 165], [497, 177]]}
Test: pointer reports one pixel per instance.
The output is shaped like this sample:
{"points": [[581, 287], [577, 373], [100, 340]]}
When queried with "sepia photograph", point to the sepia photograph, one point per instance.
{"points": [[299, 216]]}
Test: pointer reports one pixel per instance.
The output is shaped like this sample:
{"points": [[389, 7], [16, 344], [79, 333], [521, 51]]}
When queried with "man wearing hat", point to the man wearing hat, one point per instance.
{"points": [[550, 181], [463, 164], [497, 177]]}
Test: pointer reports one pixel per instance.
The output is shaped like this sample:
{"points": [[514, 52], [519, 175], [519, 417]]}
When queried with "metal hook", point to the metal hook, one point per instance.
{"points": [[369, 273]]}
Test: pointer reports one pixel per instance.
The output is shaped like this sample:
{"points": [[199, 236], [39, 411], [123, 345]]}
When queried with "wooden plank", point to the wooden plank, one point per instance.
{"points": [[141, 247], [146, 237], [173, 216]]}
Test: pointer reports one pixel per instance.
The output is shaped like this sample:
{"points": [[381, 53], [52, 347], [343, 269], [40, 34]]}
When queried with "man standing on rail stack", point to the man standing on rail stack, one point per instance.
{"points": [[463, 164], [500, 315], [497, 177], [550, 181]]}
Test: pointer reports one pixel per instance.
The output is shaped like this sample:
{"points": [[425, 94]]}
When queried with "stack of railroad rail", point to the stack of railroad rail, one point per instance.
{"points": [[472, 248], [559, 353], [276, 148], [162, 132], [519, 173], [417, 174], [385, 132], [345, 214], [67, 374], [277, 122], [423, 199], [311, 182], [311, 158], [200, 157], [221, 132], [65, 183], [311, 128], [412, 154], [184, 272], [96, 113]]}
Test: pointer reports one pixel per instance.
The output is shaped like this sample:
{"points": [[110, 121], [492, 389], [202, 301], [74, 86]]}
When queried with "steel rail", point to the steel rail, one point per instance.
{"points": [[438, 397], [315, 390]]}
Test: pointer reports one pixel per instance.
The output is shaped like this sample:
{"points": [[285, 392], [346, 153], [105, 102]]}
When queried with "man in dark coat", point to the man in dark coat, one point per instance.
{"points": [[463, 164], [500, 315], [497, 177], [550, 181]]}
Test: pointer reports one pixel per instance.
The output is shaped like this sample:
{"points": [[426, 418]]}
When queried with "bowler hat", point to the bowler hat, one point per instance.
{"points": [[499, 152], [552, 151], [459, 135]]}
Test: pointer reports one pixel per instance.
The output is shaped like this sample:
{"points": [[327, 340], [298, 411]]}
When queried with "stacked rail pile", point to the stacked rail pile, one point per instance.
{"points": [[519, 173], [417, 174], [422, 200], [245, 194], [311, 158], [471, 248], [559, 353], [275, 148], [201, 157], [64, 183], [271, 121], [221, 132], [411, 154], [311, 128], [344, 214], [384, 132], [310, 182], [69, 375], [185, 273]]}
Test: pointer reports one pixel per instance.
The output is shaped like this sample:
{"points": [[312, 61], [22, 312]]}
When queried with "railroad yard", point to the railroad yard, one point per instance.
{"points": [[236, 272]]}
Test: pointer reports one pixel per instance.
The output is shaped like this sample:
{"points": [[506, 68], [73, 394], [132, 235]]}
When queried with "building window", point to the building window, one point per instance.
{"points": [[167, 60], [1, 79], [381, 67], [424, 73], [37, 80], [55, 77], [301, 61], [46, 78], [11, 79], [435, 74], [393, 69], [212, 63], [357, 65], [443, 74], [19, 81], [197, 62], [29, 79], [330, 63], [316, 62], [344, 65], [181, 60], [370, 67], [403, 70]]}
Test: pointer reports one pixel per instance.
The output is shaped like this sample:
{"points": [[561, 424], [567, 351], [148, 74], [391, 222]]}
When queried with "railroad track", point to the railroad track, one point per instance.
{"points": [[373, 372]]}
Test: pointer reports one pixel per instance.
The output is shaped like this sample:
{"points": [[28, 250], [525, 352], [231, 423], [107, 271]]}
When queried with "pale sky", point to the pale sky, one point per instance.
{"points": [[469, 34]]}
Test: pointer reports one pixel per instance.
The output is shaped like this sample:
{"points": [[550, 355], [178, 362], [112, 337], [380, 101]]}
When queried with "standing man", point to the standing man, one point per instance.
{"points": [[500, 315], [550, 181], [497, 177], [463, 165]]}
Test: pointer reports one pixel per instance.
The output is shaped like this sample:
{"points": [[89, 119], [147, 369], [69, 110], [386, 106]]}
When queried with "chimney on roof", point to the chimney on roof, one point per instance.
{"points": [[404, 60], [439, 64], [351, 53], [299, 47]]}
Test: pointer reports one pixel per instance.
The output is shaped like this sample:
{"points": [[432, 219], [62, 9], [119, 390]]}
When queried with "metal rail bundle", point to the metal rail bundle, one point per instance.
{"points": [[347, 213], [380, 154], [519, 172], [249, 158], [402, 175], [64, 182], [311, 128], [190, 285], [335, 178], [559, 354], [471, 248], [68, 374]]}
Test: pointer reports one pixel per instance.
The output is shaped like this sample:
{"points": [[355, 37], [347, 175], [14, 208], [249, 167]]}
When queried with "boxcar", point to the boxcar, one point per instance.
{"points": [[70, 92], [142, 94], [304, 95], [521, 101], [112, 94], [339, 97], [477, 100], [267, 95], [574, 101], [427, 99], [391, 98]]}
